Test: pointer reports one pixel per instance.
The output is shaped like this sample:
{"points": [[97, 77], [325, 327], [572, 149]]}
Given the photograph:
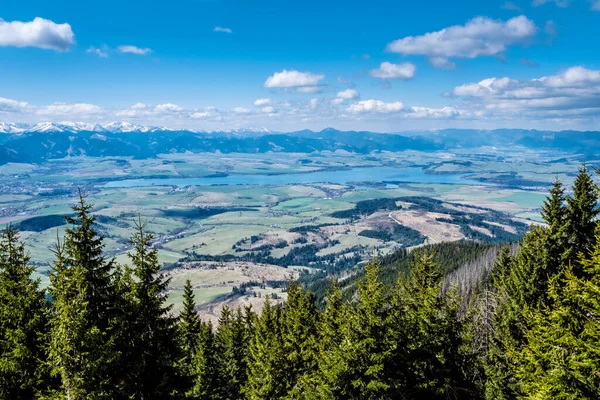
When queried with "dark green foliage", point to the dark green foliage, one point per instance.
{"points": [[153, 349], [404, 235], [202, 212], [205, 366], [232, 343], [83, 350], [41, 223], [23, 322], [266, 357], [367, 207], [524, 328], [582, 212]]}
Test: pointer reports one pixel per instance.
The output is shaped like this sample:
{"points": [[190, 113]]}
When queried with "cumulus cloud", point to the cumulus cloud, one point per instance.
{"points": [[267, 109], [388, 70], [167, 108], [348, 94], [134, 50], [375, 106], [100, 52], [566, 93], [262, 102], [442, 63], [40, 32], [313, 103], [8, 105], [426, 112], [222, 30], [293, 79], [70, 109], [480, 36], [241, 110]]}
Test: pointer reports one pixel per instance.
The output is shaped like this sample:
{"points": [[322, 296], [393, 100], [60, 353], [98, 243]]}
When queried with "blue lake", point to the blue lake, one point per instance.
{"points": [[369, 174]]}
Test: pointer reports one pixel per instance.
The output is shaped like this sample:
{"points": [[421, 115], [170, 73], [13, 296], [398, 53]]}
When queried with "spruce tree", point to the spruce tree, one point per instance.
{"points": [[189, 323], [207, 384], [84, 324], [554, 213], [429, 355], [232, 348], [561, 358], [582, 212], [298, 330], [23, 322], [356, 368], [155, 347], [265, 357]]}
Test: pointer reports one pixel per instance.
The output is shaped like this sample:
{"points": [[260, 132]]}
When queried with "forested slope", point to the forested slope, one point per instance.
{"points": [[525, 328]]}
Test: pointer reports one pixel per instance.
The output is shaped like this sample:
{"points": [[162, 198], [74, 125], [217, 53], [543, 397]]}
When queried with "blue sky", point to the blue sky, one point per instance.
{"points": [[224, 64]]}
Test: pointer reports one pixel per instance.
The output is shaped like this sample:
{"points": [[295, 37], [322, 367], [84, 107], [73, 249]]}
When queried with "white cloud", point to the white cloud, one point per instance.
{"points": [[348, 94], [267, 110], [486, 87], [262, 102], [241, 110], [222, 30], [100, 52], [313, 103], [8, 105], [292, 79], [167, 108], [134, 50], [566, 94], [69, 109], [375, 106], [201, 115], [426, 112], [40, 32], [388, 70], [442, 63], [480, 36]]}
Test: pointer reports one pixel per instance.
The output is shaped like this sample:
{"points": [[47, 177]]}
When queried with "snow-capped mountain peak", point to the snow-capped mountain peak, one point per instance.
{"points": [[112, 127]]}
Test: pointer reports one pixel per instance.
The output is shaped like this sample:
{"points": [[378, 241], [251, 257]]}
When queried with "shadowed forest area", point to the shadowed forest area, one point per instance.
{"points": [[511, 321]]}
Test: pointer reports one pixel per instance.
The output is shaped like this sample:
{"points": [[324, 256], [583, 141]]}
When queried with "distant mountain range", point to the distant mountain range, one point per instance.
{"points": [[35, 143]]}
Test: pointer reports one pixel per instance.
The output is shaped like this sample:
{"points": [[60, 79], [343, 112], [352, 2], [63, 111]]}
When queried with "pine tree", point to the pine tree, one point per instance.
{"points": [[23, 322], [232, 350], [189, 323], [356, 368], [554, 213], [265, 358], [82, 349], [582, 212], [298, 329], [207, 385], [561, 358], [429, 354], [154, 350]]}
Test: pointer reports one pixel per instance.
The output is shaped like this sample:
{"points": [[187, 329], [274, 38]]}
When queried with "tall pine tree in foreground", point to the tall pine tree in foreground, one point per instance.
{"points": [[582, 212], [84, 323], [265, 357], [154, 350], [23, 322], [561, 359]]}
